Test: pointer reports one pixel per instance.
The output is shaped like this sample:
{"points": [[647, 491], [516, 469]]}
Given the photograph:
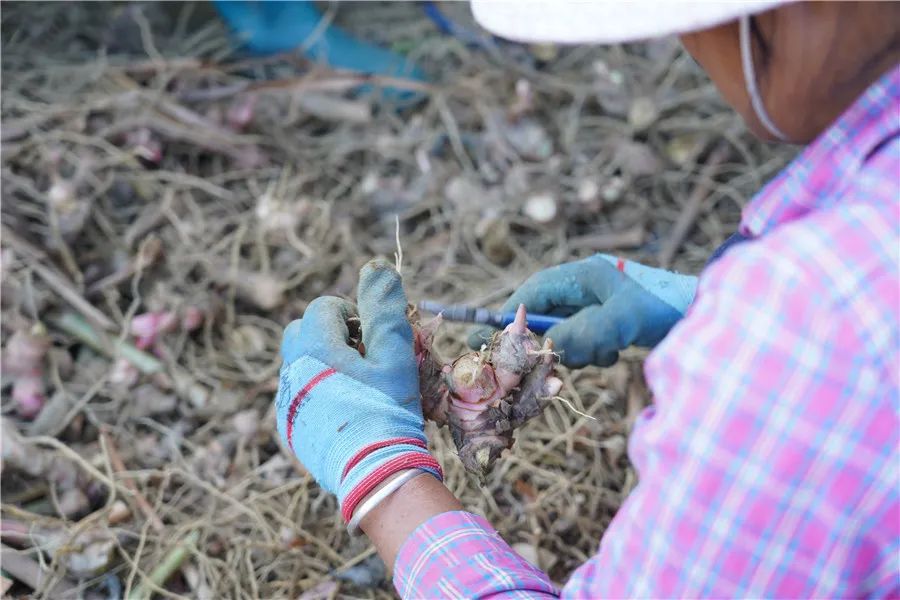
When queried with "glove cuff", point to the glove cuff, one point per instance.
{"points": [[373, 464]]}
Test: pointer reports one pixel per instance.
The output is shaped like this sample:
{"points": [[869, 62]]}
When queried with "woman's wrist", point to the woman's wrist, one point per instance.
{"points": [[393, 519], [381, 491]]}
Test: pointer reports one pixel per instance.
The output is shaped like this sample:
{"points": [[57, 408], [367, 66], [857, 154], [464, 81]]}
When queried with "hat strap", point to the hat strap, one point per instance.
{"points": [[750, 81]]}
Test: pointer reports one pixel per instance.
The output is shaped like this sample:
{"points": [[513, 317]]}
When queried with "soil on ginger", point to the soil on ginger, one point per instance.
{"points": [[157, 189]]}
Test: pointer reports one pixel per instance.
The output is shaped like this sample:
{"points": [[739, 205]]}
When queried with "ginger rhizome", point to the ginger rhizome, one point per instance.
{"points": [[484, 396]]}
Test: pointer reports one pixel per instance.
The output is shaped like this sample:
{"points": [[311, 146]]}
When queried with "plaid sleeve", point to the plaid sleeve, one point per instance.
{"points": [[459, 555], [769, 464]]}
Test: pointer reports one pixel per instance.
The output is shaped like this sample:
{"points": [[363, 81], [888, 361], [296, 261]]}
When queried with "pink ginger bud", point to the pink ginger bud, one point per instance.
{"points": [[29, 395], [147, 327], [240, 113]]}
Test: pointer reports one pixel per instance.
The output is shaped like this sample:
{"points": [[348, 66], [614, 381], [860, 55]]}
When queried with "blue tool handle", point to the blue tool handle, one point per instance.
{"points": [[536, 323]]}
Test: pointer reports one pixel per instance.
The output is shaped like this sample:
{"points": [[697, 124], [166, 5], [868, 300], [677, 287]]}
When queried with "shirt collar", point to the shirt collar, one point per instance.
{"points": [[828, 164]]}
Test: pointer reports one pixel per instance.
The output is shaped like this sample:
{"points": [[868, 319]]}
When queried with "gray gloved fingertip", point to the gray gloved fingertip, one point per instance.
{"points": [[607, 359], [376, 266]]}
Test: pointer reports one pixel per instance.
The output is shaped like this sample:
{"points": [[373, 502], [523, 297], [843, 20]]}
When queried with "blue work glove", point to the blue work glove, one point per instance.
{"points": [[273, 26], [354, 420], [611, 304]]}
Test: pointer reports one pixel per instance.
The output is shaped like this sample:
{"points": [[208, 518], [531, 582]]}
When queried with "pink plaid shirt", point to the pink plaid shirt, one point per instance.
{"points": [[769, 463]]}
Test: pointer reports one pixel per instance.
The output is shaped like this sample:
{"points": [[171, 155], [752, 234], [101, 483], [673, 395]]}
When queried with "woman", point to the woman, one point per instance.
{"points": [[768, 464]]}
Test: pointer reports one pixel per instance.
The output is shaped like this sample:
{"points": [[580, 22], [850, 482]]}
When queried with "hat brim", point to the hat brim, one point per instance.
{"points": [[606, 22]]}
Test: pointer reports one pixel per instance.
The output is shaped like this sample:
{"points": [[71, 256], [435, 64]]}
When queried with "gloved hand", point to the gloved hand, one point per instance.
{"points": [[354, 420], [611, 304]]}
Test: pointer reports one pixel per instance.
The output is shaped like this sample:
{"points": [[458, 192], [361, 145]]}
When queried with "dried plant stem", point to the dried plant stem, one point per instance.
{"points": [[81, 330], [30, 573], [692, 207], [164, 570], [56, 280], [118, 466]]}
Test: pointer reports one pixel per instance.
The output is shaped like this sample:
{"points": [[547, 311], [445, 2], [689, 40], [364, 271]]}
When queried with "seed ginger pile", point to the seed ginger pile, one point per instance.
{"points": [[484, 396]]}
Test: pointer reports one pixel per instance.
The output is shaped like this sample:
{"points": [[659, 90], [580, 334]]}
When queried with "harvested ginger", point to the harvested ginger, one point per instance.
{"points": [[484, 396]]}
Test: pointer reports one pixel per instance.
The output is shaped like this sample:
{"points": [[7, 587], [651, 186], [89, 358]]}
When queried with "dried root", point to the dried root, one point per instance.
{"points": [[484, 396]]}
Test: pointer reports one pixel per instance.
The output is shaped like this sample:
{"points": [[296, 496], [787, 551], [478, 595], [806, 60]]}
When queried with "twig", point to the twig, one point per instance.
{"points": [[214, 93], [341, 81], [80, 329], [57, 281], [186, 180], [692, 207], [335, 81], [154, 66], [76, 458], [148, 221], [148, 253], [172, 128], [15, 129], [453, 134], [334, 108], [630, 238], [166, 568], [31, 574], [39, 490], [119, 467]]}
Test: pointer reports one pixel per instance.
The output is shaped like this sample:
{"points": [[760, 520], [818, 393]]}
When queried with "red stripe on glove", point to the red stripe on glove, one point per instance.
{"points": [[298, 399], [411, 460], [620, 265], [382, 444]]}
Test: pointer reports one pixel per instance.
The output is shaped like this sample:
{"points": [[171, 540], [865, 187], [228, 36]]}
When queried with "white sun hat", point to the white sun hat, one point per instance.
{"points": [[606, 21]]}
